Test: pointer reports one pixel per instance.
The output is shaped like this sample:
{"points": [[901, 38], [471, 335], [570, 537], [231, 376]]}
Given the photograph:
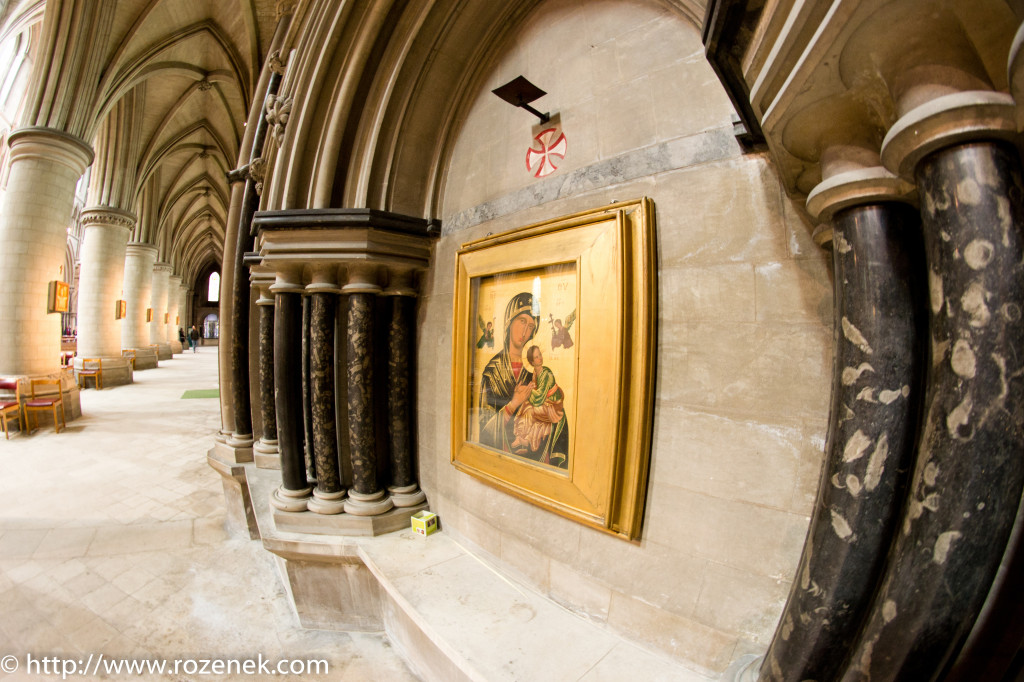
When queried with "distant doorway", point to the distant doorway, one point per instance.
{"points": [[211, 326]]}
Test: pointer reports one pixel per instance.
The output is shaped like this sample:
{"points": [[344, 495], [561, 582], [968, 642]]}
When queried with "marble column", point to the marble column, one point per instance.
{"points": [[879, 356], [44, 167], [404, 490], [266, 447], [307, 397], [329, 494], [294, 491], [968, 473], [173, 312], [104, 243], [138, 293], [158, 303], [366, 497]]}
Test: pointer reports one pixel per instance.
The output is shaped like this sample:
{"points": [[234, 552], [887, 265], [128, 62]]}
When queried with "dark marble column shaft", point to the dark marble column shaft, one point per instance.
{"points": [[399, 352], [307, 404], [321, 373], [288, 388], [969, 470], [880, 324], [268, 409], [360, 393], [239, 343]]}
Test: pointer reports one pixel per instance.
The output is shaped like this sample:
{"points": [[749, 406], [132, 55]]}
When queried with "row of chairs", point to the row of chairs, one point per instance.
{"points": [[40, 399], [92, 368]]}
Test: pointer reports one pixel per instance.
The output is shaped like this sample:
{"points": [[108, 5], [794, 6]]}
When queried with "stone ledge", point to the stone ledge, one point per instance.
{"points": [[345, 524], [442, 606]]}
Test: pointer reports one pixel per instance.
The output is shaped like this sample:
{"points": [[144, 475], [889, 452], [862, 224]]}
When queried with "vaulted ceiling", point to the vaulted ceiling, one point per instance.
{"points": [[167, 114]]}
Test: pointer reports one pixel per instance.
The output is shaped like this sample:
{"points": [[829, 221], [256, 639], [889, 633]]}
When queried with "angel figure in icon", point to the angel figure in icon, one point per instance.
{"points": [[560, 334], [486, 333]]}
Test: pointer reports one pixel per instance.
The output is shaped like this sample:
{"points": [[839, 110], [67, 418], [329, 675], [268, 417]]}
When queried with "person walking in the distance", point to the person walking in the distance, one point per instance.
{"points": [[193, 336]]}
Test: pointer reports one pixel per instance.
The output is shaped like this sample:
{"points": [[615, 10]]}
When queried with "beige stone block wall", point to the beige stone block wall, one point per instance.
{"points": [[743, 342]]}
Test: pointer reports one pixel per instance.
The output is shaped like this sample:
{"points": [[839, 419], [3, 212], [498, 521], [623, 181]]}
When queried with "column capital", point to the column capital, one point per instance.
{"points": [[161, 266], [944, 121], [50, 144], [141, 249], [174, 280], [108, 216], [288, 281], [324, 279], [400, 282], [361, 279]]}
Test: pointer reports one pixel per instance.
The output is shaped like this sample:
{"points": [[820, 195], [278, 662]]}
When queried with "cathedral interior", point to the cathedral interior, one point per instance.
{"points": [[533, 339]]}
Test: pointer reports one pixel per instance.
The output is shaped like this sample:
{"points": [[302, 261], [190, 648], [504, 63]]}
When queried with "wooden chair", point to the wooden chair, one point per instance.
{"points": [[10, 404], [95, 373], [130, 354], [47, 401]]}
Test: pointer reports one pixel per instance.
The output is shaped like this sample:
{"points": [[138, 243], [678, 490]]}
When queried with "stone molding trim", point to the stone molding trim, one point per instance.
{"points": [[707, 147], [140, 248], [856, 187]]}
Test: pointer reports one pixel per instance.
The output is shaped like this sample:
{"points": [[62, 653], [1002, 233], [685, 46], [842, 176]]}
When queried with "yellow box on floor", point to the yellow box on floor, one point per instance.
{"points": [[424, 522]]}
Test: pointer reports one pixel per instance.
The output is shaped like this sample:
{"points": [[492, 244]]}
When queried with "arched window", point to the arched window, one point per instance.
{"points": [[213, 292]]}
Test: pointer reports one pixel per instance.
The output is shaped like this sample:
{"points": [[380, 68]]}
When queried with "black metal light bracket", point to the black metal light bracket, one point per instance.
{"points": [[519, 92]]}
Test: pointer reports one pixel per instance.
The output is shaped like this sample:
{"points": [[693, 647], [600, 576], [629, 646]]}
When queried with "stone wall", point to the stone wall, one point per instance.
{"points": [[743, 340]]}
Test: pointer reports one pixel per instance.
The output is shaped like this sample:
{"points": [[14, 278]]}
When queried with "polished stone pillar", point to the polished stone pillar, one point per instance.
{"points": [[329, 494], [366, 497], [404, 490], [44, 167], [138, 293], [104, 242], [307, 399], [969, 472], [879, 357], [173, 312], [266, 447], [294, 491]]}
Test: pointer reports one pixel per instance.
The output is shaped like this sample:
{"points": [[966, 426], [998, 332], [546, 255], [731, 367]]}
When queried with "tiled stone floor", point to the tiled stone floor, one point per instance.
{"points": [[112, 542]]}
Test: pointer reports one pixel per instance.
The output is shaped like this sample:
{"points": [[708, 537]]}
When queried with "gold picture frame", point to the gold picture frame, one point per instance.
{"points": [[553, 363]]}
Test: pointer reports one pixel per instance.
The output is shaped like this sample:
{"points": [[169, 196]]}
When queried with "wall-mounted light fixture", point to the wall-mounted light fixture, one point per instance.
{"points": [[519, 92]]}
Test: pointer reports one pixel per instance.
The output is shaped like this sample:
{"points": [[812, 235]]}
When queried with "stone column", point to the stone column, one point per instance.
{"points": [[173, 308], [104, 243], [969, 472], [404, 490], [294, 491], [158, 303], [366, 497], [307, 399], [45, 166], [878, 371], [329, 494], [138, 293], [265, 451]]}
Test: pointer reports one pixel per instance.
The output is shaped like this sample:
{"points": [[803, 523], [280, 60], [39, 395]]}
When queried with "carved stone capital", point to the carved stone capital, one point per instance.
{"points": [[106, 215], [275, 62]]}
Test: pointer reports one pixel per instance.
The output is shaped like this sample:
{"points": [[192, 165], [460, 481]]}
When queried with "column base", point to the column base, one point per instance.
{"points": [[146, 358], [241, 440], [230, 453], [175, 347], [346, 524], [327, 503], [266, 454], [744, 669], [407, 496], [290, 500], [117, 371], [163, 351], [361, 504]]}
